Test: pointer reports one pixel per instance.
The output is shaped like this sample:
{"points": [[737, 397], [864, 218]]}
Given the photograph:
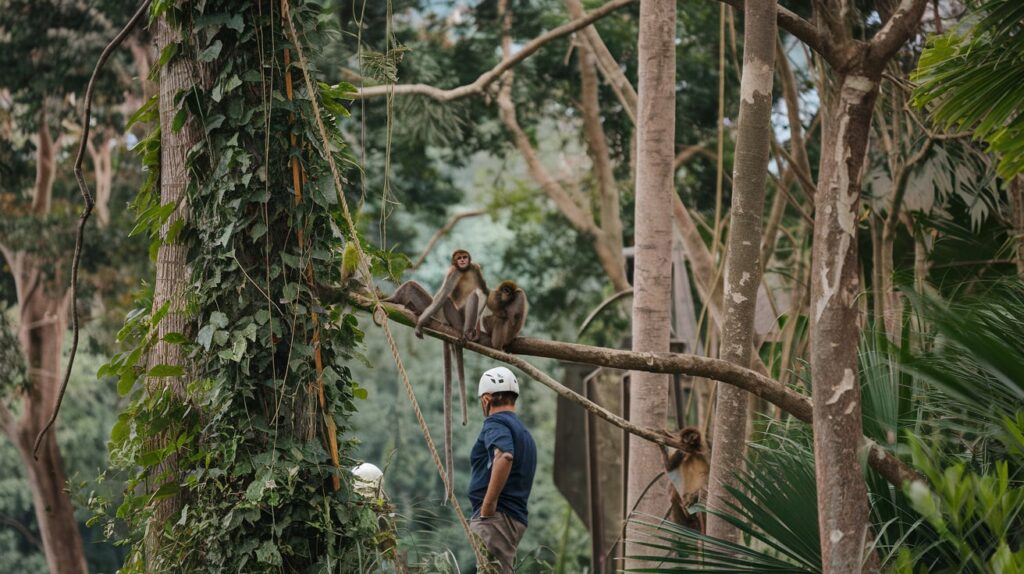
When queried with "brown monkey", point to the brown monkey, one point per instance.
{"points": [[460, 300], [687, 469], [504, 315]]}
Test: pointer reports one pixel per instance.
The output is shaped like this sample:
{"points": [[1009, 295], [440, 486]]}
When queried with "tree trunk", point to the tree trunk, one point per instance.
{"points": [[652, 278], [172, 271], [44, 322], [43, 307], [743, 266], [835, 324]]}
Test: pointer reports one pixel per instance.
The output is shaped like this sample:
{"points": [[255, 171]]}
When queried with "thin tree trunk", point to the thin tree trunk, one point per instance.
{"points": [[43, 321], [652, 278], [743, 266], [835, 325], [172, 271]]}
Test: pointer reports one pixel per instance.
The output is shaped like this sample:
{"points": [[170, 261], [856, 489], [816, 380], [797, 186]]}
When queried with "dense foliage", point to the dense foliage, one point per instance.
{"points": [[246, 445]]}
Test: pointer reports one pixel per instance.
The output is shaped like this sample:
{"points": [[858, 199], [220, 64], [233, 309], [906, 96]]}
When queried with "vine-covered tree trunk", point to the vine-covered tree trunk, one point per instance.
{"points": [[172, 270], [652, 278], [743, 266]]}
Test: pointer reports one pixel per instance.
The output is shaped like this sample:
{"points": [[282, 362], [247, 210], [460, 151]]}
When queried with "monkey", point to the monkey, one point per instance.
{"points": [[687, 469], [460, 300], [504, 315]]}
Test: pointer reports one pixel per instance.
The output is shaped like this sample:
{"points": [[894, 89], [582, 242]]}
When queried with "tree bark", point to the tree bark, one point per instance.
{"points": [[652, 277], [172, 271], [43, 305], [835, 283], [743, 266]]}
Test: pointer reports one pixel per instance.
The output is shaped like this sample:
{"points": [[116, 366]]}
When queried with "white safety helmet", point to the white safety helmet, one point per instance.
{"points": [[497, 380], [367, 479]]}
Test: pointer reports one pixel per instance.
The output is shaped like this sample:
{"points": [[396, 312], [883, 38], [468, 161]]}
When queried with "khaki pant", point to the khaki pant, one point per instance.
{"points": [[501, 535]]}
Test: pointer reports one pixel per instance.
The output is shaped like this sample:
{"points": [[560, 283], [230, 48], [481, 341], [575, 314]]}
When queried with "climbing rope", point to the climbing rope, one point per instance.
{"points": [[364, 272]]}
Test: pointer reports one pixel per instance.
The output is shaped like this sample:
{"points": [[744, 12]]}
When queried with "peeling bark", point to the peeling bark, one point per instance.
{"points": [[743, 266], [835, 326]]}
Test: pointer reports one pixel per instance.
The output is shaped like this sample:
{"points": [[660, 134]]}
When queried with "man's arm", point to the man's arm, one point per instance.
{"points": [[500, 469]]}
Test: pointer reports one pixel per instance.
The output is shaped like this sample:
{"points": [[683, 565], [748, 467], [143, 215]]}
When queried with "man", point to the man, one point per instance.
{"points": [[503, 460]]}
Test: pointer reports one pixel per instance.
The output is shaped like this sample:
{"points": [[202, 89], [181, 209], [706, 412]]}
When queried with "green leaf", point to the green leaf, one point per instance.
{"points": [[205, 336], [218, 319], [175, 338], [211, 52], [166, 490], [166, 371], [148, 112], [179, 120], [267, 553]]}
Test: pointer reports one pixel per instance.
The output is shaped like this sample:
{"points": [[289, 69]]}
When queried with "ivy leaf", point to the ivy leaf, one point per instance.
{"points": [[205, 336], [218, 319], [267, 553], [166, 371], [210, 54]]}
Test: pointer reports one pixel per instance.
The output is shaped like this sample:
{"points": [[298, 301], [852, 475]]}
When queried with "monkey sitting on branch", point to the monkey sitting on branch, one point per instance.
{"points": [[459, 300], [504, 315], [687, 470]]}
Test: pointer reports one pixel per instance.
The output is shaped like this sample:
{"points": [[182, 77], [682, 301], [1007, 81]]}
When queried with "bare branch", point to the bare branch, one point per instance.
{"points": [[508, 62], [896, 31], [797, 26], [609, 68], [23, 530], [891, 468], [597, 148], [442, 232], [900, 188]]}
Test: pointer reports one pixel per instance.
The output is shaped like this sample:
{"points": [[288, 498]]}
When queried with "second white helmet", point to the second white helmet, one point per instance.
{"points": [[498, 380]]}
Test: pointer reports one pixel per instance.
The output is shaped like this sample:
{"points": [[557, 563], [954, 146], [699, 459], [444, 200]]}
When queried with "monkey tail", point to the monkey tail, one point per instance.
{"points": [[449, 491], [462, 384]]}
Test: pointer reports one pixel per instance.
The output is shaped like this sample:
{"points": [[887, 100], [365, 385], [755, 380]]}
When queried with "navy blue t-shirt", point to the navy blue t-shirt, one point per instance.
{"points": [[506, 432]]}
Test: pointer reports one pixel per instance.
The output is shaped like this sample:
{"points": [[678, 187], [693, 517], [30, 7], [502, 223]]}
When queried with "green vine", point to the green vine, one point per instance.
{"points": [[245, 450]]}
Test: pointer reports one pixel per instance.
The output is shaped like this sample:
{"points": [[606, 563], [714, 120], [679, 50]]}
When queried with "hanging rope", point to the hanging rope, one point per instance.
{"points": [[297, 178], [364, 272]]}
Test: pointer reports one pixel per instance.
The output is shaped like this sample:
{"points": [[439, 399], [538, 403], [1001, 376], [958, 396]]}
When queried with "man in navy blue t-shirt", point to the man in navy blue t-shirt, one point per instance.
{"points": [[503, 460]]}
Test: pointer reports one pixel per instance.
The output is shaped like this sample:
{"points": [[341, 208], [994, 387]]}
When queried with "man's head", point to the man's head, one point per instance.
{"points": [[498, 388], [461, 259]]}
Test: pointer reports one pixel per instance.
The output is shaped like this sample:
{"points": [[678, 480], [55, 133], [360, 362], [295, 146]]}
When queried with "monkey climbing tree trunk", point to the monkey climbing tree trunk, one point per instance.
{"points": [[172, 271], [652, 278], [743, 266]]}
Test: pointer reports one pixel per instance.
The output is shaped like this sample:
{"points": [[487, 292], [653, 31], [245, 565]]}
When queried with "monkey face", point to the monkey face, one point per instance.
{"points": [[461, 259]]}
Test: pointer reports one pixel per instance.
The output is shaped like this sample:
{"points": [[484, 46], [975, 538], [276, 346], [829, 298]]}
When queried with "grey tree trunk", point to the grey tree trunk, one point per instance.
{"points": [[652, 278], [835, 325], [743, 265], [172, 271]]}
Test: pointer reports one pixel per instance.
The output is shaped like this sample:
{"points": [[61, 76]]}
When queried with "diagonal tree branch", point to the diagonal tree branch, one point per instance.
{"points": [[797, 26], [624, 91], [888, 466], [508, 62], [455, 219], [896, 30]]}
